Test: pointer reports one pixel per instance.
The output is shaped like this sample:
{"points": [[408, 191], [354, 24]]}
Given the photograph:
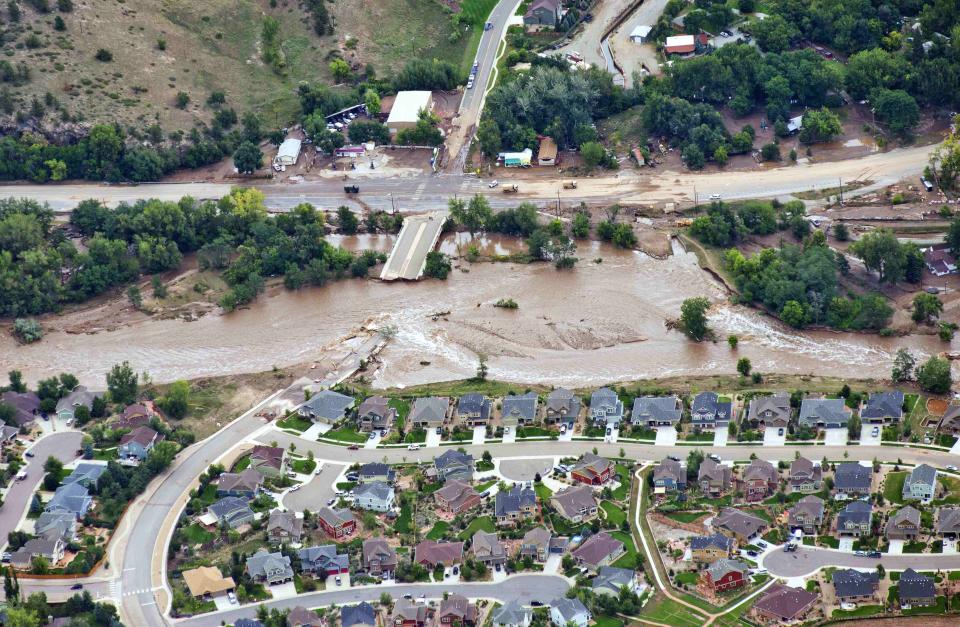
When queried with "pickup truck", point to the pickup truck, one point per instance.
{"points": [[21, 475]]}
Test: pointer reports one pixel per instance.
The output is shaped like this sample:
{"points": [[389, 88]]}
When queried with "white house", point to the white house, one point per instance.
{"points": [[564, 611], [288, 152], [640, 33]]}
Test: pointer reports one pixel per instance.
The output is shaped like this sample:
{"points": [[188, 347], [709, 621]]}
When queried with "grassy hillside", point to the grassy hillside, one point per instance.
{"points": [[160, 48]]}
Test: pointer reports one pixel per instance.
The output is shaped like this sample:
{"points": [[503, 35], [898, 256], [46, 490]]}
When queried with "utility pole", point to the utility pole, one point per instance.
{"points": [[696, 201], [841, 190], [558, 202]]}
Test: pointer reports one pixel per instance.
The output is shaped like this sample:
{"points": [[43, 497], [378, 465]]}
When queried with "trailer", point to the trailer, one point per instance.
{"points": [[569, 185], [510, 189]]}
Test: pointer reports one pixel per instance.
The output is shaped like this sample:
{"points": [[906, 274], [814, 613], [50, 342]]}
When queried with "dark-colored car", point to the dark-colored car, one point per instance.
{"points": [[536, 603], [77, 586], [353, 447]]}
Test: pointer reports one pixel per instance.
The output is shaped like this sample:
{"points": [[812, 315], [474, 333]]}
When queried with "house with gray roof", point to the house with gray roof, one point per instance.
{"points": [[86, 474], [232, 511], [284, 527], [453, 464], [376, 471], [916, 590], [829, 413], [72, 498], [429, 412], [853, 479], [564, 611], [375, 496], [853, 586], [512, 615], [323, 561], [56, 525], [326, 406], [517, 504], [805, 476], [770, 411], [807, 514], [519, 410], [360, 615], [904, 524], [269, 568], [948, 521], [883, 408], [542, 14], [708, 549], [610, 580], [920, 484], [51, 550], [26, 406], [950, 422], [854, 519], [600, 549], [669, 476], [714, 478], [379, 558], [708, 412], [79, 397], [575, 503], [656, 411], [606, 408], [741, 526], [536, 544], [302, 617], [487, 549], [473, 410], [562, 406], [136, 445], [375, 414], [8, 434], [245, 484]]}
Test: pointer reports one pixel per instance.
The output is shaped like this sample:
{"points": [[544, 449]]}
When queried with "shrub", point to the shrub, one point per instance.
{"points": [[103, 55], [27, 330]]}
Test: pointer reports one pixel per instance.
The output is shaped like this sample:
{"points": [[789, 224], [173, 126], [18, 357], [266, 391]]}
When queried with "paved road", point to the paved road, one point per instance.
{"points": [[317, 492], [417, 238], [523, 588], [62, 445], [807, 560]]}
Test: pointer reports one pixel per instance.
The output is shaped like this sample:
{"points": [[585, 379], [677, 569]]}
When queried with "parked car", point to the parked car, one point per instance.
{"points": [[536, 603], [231, 597], [952, 468], [295, 488], [77, 586], [875, 432], [751, 553], [563, 428], [330, 502], [439, 430], [373, 435], [28, 454], [413, 447], [352, 447], [714, 196], [761, 544], [780, 431], [339, 580]]}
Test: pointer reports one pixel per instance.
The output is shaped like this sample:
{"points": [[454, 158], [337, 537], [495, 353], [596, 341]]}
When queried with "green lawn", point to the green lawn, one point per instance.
{"points": [[630, 559], [614, 513], [105, 454], [939, 608], [668, 612], [533, 432], [624, 477], [295, 422], [829, 541], [242, 464], [195, 534], [685, 517], [543, 492], [486, 485], [403, 410], [914, 547], [954, 575], [860, 612], [893, 487], [700, 437], [688, 577], [607, 621], [304, 466], [760, 513], [483, 522], [437, 531], [404, 520], [208, 495], [346, 434]]}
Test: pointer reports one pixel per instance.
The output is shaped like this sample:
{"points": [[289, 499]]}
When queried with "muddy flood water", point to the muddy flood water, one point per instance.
{"points": [[602, 322]]}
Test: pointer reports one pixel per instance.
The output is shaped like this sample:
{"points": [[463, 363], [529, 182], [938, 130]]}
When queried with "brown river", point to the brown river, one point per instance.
{"points": [[602, 322]]}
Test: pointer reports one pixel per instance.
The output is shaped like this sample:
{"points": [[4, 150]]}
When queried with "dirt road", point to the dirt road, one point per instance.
{"points": [[630, 56]]}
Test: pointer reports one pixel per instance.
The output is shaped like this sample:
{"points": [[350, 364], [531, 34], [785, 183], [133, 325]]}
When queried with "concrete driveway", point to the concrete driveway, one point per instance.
{"points": [[720, 437], [846, 545], [896, 547], [866, 435], [613, 436], [835, 437], [373, 442], [772, 437], [509, 435], [566, 437], [433, 438], [666, 436], [315, 493], [479, 436]]}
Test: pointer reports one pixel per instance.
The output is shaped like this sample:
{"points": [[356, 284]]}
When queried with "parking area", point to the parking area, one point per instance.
{"points": [[896, 547], [332, 581], [774, 436], [720, 437], [870, 435], [835, 437], [509, 435], [949, 547], [433, 438], [666, 436], [846, 545], [374, 441], [567, 436], [479, 435]]}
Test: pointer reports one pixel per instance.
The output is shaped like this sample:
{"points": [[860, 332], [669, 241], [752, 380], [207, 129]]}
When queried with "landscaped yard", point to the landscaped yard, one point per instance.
{"points": [[403, 523], [439, 528], [195, 534], [607, 621], [403, 410], [303, 466], [346, 433], [295, 422], [614, 514], [486, 485], [543, 492], [533, 432], [105, 454], [939, 608], [688, 577], [623, 474], [829, 541], [483, 522], [242, 464], [860, 612], [914, 547], [668, 612], [893, 487], [685, 517], [630, 559]]}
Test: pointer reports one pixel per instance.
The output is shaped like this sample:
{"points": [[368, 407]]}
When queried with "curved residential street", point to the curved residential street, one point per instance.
{"points": [[806, 560]]}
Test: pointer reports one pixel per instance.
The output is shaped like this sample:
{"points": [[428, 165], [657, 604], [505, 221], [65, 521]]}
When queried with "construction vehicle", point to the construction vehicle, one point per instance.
{"points": [[569, 185], [351, 189], [510, 189]]}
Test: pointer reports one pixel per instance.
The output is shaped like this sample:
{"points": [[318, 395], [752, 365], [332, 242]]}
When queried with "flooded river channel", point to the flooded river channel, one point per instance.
{"points": [[602, 322]]}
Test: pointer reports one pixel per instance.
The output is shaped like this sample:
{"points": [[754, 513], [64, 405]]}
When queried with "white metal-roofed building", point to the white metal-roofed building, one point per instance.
{"points": [[288, 153], [406, 109]]}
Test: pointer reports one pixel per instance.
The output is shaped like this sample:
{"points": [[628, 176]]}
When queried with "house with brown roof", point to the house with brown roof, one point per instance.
{"points": [[431, 553], [575, 503], [379, 558], [738, 525], [302, 617], [783, 604], [269, 461], [136, 445], [133, 416], [950, 422], [207, 582], [770, 411], [487, 549], [948, 521], [284, 527], [457, 496], [562, 406], [714, 478], [669, 476], [760, 480], [457, 610], [904, 524], [807, 514], [598, 550], [246, 483], [408, 613], [805, 476], [375, 414], [26, 406], [542, 14]]}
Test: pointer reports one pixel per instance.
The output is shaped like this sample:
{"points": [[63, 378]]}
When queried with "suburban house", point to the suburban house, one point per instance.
{"points": [[206, 582], [883, 408], [457, 610], [606, 408], [56, 526], [600, 549], [136, 445], [536, 544], [575, 503], [920, 484], [323, 561], [473, 410], [853, 586], [904, 524], [326, 407], [592, 470], [685, 44], [760, 480], [86, 474], [50, 550], [542, 13], [431, 553], [360, 615], [232, 511], [8, 434], [714, 478], [562, 406], [133, 416], [79, 397], [26, 406], [456, 496], [486, 548], [916, 589], [770, 411], [738, 525], [519, 410], [725, 574], [669, 476], [72, 498], [830, 413], [284, 527], [564, 611], [708, 412], [336, 523], [269, 568], [408, 613], [708, 549], [950, 423], [376, 471], [302, 617], [511, 615], [805, 476], [854, 519], [656, 411], [939, 260], [269, 461], [853, 480], [246, 483], [610, 580], [514, 505], [807, 514], [784, 604], [375, 414], [429, 412], [374, 496], [379, 558], [948, 521], [454, 465]]}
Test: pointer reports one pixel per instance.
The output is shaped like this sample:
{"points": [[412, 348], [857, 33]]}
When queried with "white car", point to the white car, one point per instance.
{"points": [[295, 488], [413, 447], [875, 432], [952, 468], [563, 428], [493, 183], [714, 196]]}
